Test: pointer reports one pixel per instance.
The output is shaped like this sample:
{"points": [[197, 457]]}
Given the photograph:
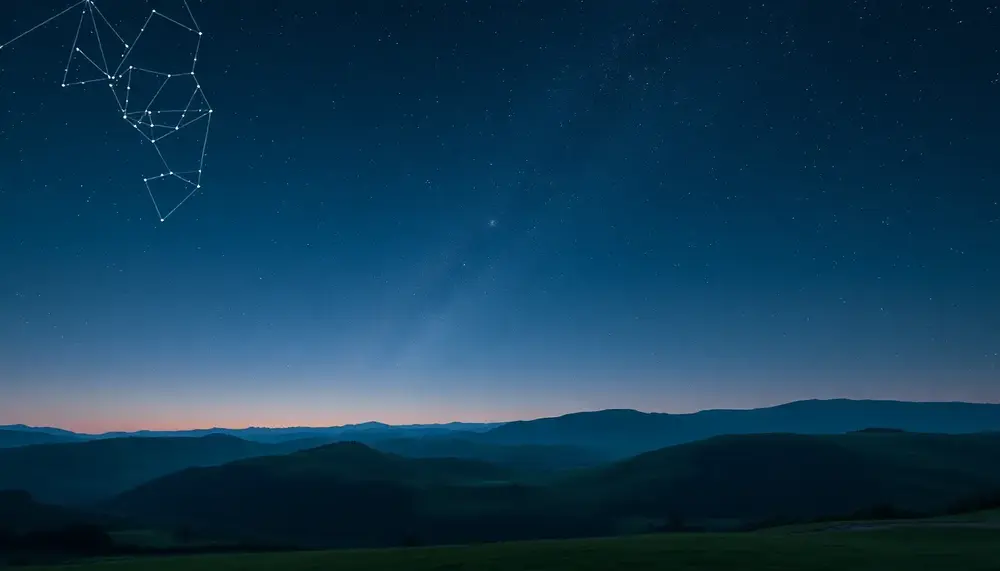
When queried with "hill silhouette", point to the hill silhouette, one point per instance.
{"points": [[21, 513], [354, 461], [85, 472], [788, 476], [623, 433], [525, 458], [44, 429], [343, 494], [91, 470], [345, 432], [348, 494], [11, 438]]}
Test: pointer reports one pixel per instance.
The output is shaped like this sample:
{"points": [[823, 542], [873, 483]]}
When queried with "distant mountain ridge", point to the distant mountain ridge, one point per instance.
{"points": [[590, 473], [623, 432], [10, 438], [39, 429], [619, 433], [964, 415], [258, 434]]}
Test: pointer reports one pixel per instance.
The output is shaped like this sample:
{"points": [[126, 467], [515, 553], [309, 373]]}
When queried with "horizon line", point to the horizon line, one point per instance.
{"points": [[484, 422]]}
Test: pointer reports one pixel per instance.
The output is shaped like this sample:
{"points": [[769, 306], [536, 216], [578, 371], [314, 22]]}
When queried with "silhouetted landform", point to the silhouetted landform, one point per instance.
{"points": [[54, 545], [14, 438], [42, 429], [89, 471], [79, 543], [97, 468], [85, 472], [527, 459], [348, 494], [271, 435], [797, 477], [624, 433], [33, 533], [20, 513], [876, 430], [977, 511], [343, 494]]}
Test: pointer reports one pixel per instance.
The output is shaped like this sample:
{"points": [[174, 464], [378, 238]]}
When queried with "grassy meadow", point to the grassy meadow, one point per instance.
{"points": [[903, 548]]}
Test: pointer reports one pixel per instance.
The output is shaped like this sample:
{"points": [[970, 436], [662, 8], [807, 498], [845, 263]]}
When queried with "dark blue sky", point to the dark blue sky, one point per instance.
{"points": [[418, 212]]}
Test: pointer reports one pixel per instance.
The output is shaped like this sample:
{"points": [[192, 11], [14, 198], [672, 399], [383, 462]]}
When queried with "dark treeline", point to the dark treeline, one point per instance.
{"points": [[82, 541], [885, 512], [79, 539]]}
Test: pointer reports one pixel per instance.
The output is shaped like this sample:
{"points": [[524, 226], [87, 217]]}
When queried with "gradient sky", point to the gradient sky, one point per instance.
{"points": [[421, 212]]}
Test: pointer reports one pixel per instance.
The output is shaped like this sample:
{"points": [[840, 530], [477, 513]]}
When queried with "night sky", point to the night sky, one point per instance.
{"points": [[490, 210]]}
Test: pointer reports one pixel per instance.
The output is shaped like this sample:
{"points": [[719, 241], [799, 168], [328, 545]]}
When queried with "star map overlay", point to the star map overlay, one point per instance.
{"points": [[494, 210], [158, 103]]}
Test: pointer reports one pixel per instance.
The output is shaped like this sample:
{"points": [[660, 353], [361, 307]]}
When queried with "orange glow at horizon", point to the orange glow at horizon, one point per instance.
{"points": [[163, 420], [101, 412]]}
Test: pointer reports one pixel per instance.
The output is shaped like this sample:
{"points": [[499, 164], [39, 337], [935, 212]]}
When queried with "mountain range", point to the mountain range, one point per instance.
{"points": [[76, 473], [11, 437], [621, 432], [602, 472], [347, 494], [19, 434]]}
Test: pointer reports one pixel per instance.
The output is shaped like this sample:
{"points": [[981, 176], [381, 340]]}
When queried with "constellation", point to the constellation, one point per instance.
{"points": [[163, 101]]}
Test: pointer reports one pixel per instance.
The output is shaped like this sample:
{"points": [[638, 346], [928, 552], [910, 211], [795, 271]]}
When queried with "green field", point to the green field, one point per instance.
{"points": [[903, 549]]}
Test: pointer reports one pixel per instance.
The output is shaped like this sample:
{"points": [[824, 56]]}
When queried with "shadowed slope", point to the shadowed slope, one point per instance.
{"points": [[82, 472], [14, 438], [340, 494], [526, 458], [20, 513], [623, 433], [347, 494], [773, 476]]}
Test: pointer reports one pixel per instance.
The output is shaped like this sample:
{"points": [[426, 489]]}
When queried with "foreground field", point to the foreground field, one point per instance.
{"points": [[903, 549]]}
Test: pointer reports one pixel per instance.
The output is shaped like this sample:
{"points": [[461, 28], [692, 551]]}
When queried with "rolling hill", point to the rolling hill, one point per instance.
{"points": [[624, 433], [11, 438], [350, 495], [91, 470], [526, 458], [20, 513], [618, 433], [343, 494], [85, 472], [747, 478], [45, 429]]}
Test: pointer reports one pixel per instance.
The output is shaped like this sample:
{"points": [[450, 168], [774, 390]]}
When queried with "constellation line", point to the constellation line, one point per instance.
{"points": [[183, 113]]}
